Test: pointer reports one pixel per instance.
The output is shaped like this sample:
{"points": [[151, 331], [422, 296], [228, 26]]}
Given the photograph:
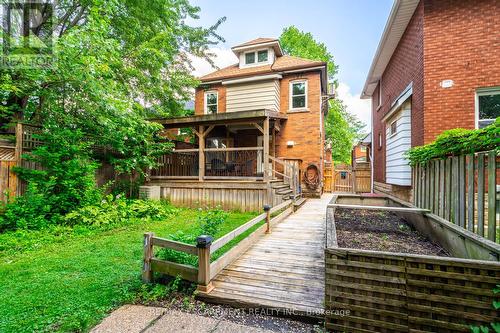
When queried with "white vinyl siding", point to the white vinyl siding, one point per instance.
{"points": [[253, 96], [398, 172]]}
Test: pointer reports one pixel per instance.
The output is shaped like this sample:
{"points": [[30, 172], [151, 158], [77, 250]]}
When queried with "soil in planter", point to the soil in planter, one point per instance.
{"points": [[381, 231]]}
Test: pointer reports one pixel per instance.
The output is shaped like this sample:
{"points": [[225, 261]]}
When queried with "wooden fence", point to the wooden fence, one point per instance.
{"points": [[206, 271], [463, 190], [388, 292]]}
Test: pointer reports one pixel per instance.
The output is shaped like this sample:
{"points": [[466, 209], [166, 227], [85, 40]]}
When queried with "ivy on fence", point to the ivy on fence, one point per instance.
{"points": [[456, 142]]}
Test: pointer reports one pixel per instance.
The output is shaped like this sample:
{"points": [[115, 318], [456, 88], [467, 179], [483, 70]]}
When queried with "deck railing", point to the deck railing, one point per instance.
{"points": [[177, 164], [233, 162], [205, 248], [463, 190]]}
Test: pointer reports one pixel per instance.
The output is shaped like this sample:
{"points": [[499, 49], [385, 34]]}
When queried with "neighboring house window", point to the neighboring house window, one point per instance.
{"points": [[249, 58], [211, 102], [298, 94], [262, 56], [487, 106], [379, 140], [394, 127], [362, 149]]}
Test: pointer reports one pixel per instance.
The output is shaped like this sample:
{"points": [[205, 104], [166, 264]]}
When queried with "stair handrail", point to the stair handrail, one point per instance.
{"points": [[293, 178]]}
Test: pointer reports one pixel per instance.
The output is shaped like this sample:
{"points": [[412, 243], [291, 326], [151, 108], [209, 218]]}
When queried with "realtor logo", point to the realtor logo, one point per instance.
{"points": [[27, 34]]}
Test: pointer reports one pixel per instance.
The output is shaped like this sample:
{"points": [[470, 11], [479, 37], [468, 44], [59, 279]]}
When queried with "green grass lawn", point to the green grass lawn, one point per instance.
{"points": [[70, 285]]}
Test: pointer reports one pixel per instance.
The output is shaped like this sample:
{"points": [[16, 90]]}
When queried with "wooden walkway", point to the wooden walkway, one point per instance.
{"points": [[283, 270]]}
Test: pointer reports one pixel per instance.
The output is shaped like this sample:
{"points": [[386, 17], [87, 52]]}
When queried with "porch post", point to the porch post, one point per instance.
{"points": [[266, 149], [201, 153]]}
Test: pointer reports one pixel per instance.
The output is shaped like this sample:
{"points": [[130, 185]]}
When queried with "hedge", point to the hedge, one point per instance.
{"points": [[456, 142]]}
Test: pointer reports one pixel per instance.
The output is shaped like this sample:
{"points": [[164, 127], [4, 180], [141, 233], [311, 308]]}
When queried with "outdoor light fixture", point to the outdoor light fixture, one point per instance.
{"points": [[290, 143]]}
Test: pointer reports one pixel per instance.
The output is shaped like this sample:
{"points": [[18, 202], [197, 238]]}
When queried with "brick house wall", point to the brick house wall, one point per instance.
{"points": [[444, 40], [462, 43], [405, 66], [304, 128]]}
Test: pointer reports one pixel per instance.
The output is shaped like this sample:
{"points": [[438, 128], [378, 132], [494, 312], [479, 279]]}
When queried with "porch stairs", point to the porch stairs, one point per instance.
{"points": [[282, 191]]}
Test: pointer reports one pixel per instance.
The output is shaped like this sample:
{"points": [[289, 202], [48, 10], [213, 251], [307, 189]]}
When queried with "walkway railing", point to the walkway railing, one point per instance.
{"points": [[462, 189], [286, 171], [206, 247]]}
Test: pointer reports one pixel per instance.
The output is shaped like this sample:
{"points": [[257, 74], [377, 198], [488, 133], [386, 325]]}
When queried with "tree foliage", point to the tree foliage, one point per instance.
{"points": [[457, 142], [342, 128], [116, 65]]}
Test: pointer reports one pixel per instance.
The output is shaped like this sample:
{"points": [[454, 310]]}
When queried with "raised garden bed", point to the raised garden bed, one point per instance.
{"points": [[399, 268], [381, 231]]}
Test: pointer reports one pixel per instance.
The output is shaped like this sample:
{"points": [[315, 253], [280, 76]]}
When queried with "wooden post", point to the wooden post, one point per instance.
{"points": [[147, 273], [203, 244], [267, 209], [492, 195], [266, 149], [201, 153], [18, 153]]}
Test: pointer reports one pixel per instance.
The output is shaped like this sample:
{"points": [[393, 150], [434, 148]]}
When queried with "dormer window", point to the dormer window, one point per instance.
{"points": [[250, 58], [253, 57], [262, 56]]}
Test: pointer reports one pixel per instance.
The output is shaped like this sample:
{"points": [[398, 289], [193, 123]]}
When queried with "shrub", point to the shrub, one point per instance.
{"points": [[113, 211], [456, 142], [208, 222]]}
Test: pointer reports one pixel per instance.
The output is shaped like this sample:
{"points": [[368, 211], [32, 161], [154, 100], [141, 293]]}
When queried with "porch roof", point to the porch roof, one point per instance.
{"points": [[219, 118]]}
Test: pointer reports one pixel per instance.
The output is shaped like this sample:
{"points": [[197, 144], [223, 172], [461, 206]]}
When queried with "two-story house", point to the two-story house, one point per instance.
{"points": [[258, 132], [437, 67]]}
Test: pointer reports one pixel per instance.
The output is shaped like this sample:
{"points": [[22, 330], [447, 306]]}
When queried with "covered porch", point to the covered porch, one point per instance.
{"points": [[229, 161]]}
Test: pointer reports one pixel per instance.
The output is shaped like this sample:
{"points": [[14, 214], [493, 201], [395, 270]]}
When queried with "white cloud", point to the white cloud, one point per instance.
{"points": [[361, 108], [222, 58]]}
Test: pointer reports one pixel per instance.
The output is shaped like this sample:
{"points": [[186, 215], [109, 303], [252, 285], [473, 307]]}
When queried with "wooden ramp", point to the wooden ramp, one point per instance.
{"points": [[283, 270]]}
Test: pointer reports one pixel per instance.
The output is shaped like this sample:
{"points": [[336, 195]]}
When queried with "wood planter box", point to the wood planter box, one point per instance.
{"points": [[397, 292]]}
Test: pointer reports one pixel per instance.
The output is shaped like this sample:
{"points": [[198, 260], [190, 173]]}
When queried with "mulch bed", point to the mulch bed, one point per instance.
{"points": [[381, 231]]}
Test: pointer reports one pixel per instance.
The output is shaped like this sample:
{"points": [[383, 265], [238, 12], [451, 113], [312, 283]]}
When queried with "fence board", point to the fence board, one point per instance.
{"points": [[492, 193], [470, 192], [480, 194], [461, 191]]}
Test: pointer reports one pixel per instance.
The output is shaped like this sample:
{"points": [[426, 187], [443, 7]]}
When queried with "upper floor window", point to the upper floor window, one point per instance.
{"points": [[211, 102], [487, 106], [362, 149], [379, 93], [298, 94], [250, 58], [262, 56], [256, 56]]}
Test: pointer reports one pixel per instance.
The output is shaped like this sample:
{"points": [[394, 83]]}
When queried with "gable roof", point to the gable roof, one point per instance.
{"points": [[256, 41], [280, 64], [401, 14]]}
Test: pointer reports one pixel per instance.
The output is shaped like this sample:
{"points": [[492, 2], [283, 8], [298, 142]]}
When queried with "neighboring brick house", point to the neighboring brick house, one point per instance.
{"points": [[265, 111], [437, 67]]}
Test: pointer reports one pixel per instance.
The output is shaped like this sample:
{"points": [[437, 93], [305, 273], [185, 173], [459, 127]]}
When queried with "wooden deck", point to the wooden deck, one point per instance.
{"points": [[283, 270]]}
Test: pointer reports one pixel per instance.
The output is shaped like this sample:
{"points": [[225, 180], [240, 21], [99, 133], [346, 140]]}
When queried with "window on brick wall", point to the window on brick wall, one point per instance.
{"points": [[379, 140], [487, 106], [298, 95], [211, 102], [379, 93]]}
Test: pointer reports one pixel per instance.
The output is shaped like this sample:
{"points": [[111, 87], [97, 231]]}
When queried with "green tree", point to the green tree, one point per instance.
{"points": [[117, 64], [342, 128]]}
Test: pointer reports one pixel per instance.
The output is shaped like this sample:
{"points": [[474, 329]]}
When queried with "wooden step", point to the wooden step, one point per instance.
{"points": [[284, 192], [297, 204], [280, 186]]}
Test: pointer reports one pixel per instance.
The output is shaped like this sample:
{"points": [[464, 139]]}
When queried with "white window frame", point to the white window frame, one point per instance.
{"points": [[255, 52], [257, 56], [391, 134], [483, 92], [205, 104], [290, 106]]}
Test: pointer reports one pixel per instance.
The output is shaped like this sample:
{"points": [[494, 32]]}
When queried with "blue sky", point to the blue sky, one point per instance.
{"points": [[350, 29]]}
